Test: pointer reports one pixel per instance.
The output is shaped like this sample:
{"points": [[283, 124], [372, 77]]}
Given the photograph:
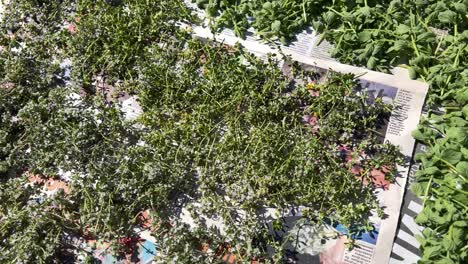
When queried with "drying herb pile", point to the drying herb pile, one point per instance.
{"points": [[224, 136], [430, 38], [254, 141]]}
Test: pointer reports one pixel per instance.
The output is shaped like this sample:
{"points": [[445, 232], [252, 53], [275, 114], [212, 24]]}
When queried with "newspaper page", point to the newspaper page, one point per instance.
{"points": [[406, 247], [408, 97]]}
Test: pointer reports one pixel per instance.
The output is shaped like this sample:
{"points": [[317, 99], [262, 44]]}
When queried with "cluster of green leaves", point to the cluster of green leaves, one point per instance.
{"points": [[112, 37], [271, 19], [30, 231], [442, 182], [28, 72], [379, 35], [27, 65], [222, 136], [374, 33], [44, 130]]}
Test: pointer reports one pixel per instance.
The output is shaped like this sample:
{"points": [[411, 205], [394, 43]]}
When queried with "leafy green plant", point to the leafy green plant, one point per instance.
{"points": [[380, 35], [442, 182], [275, 20]]}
